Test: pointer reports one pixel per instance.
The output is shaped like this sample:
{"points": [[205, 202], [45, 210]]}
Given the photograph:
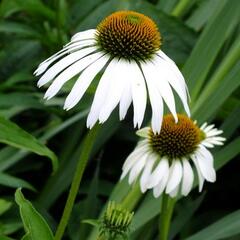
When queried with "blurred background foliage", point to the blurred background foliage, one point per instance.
{"points": [[202, 36]]}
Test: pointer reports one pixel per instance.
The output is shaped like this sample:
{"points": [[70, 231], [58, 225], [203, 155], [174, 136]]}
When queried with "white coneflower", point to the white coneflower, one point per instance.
{"points": [[125, 48], [165, 161]]}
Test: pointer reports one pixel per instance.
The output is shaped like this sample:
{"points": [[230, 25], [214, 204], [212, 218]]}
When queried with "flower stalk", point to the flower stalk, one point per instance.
{"points": [[132, 198], [168, 204], [83, 159]]}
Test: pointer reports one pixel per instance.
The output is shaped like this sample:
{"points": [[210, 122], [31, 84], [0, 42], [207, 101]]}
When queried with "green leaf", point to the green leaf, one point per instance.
{"points": [[13, 135], [92, 222], [228, 85], [18, 28], [185, 211], [5, 238], [10, 181], [34, 7], [208, 46], [4, 206], [203, 13], [35, 226], [230, 59], [224, 228]]}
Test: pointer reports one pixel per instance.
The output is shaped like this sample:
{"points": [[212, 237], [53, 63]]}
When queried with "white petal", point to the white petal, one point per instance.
{"points": [[174, 192], [158, 190], [88, 34], [203, 126], [175, 176], [69, 73], [206, 154], [139, 93], [147, 172], [214, 132], [125, 100], [178, 84], [116, 88], [208, 128], [159, 173], [188, 177], [200, 176], [215, 142], [132, 159], [157, 106], [100, 94], [137, 152], [207, 144], [83, 82], [152, 73], [218, 138], [206, 168], [137, 168], [52, 72], [72, 48]]}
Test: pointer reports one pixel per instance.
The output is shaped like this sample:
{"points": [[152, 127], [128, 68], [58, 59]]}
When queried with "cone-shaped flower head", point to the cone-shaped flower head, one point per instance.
{"points": [[166, 162], [125, 50]]}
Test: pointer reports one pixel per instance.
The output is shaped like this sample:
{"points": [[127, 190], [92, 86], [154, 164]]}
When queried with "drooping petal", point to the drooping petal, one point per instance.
{"points": [[157, 106], [174, 192], [151, 71], [69, 73], [188, 178], [137, 153], [52, 72], [83, 82], [137, 168], [158, 190], [88, 34], [147, 172], [100, 94], [158, 173], [69, 49], [125, 100], [139, 93], [175, 176], [173, 67], [206, 167], [176, 81], [116, 88], [200, 176]]}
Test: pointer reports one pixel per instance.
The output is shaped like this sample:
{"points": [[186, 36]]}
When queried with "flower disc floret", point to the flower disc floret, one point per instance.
{"points": [[129, 35], [176, 140]]}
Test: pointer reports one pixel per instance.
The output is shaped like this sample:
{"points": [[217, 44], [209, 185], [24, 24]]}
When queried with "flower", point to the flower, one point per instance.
{"points": [[125, 49], [115, 222], [165, 161]]}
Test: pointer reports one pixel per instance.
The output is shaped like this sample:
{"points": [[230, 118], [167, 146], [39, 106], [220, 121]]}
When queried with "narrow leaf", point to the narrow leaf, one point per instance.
{"points": [[224, 228], [35, 226], [13, 135]]}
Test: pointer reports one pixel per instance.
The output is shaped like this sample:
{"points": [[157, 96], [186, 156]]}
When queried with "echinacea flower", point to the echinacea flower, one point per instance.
{"points": [[125, 49], [166, 162]]}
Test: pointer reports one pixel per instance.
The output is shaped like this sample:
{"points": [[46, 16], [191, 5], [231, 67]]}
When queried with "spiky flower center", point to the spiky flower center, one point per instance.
{"points": [[129, 35], [176, 140]]}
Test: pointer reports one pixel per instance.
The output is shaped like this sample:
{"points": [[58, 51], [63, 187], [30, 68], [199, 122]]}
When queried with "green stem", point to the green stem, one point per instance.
{"points": [[166, 215], [84, 156], [181, 8], [132, 198]]}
